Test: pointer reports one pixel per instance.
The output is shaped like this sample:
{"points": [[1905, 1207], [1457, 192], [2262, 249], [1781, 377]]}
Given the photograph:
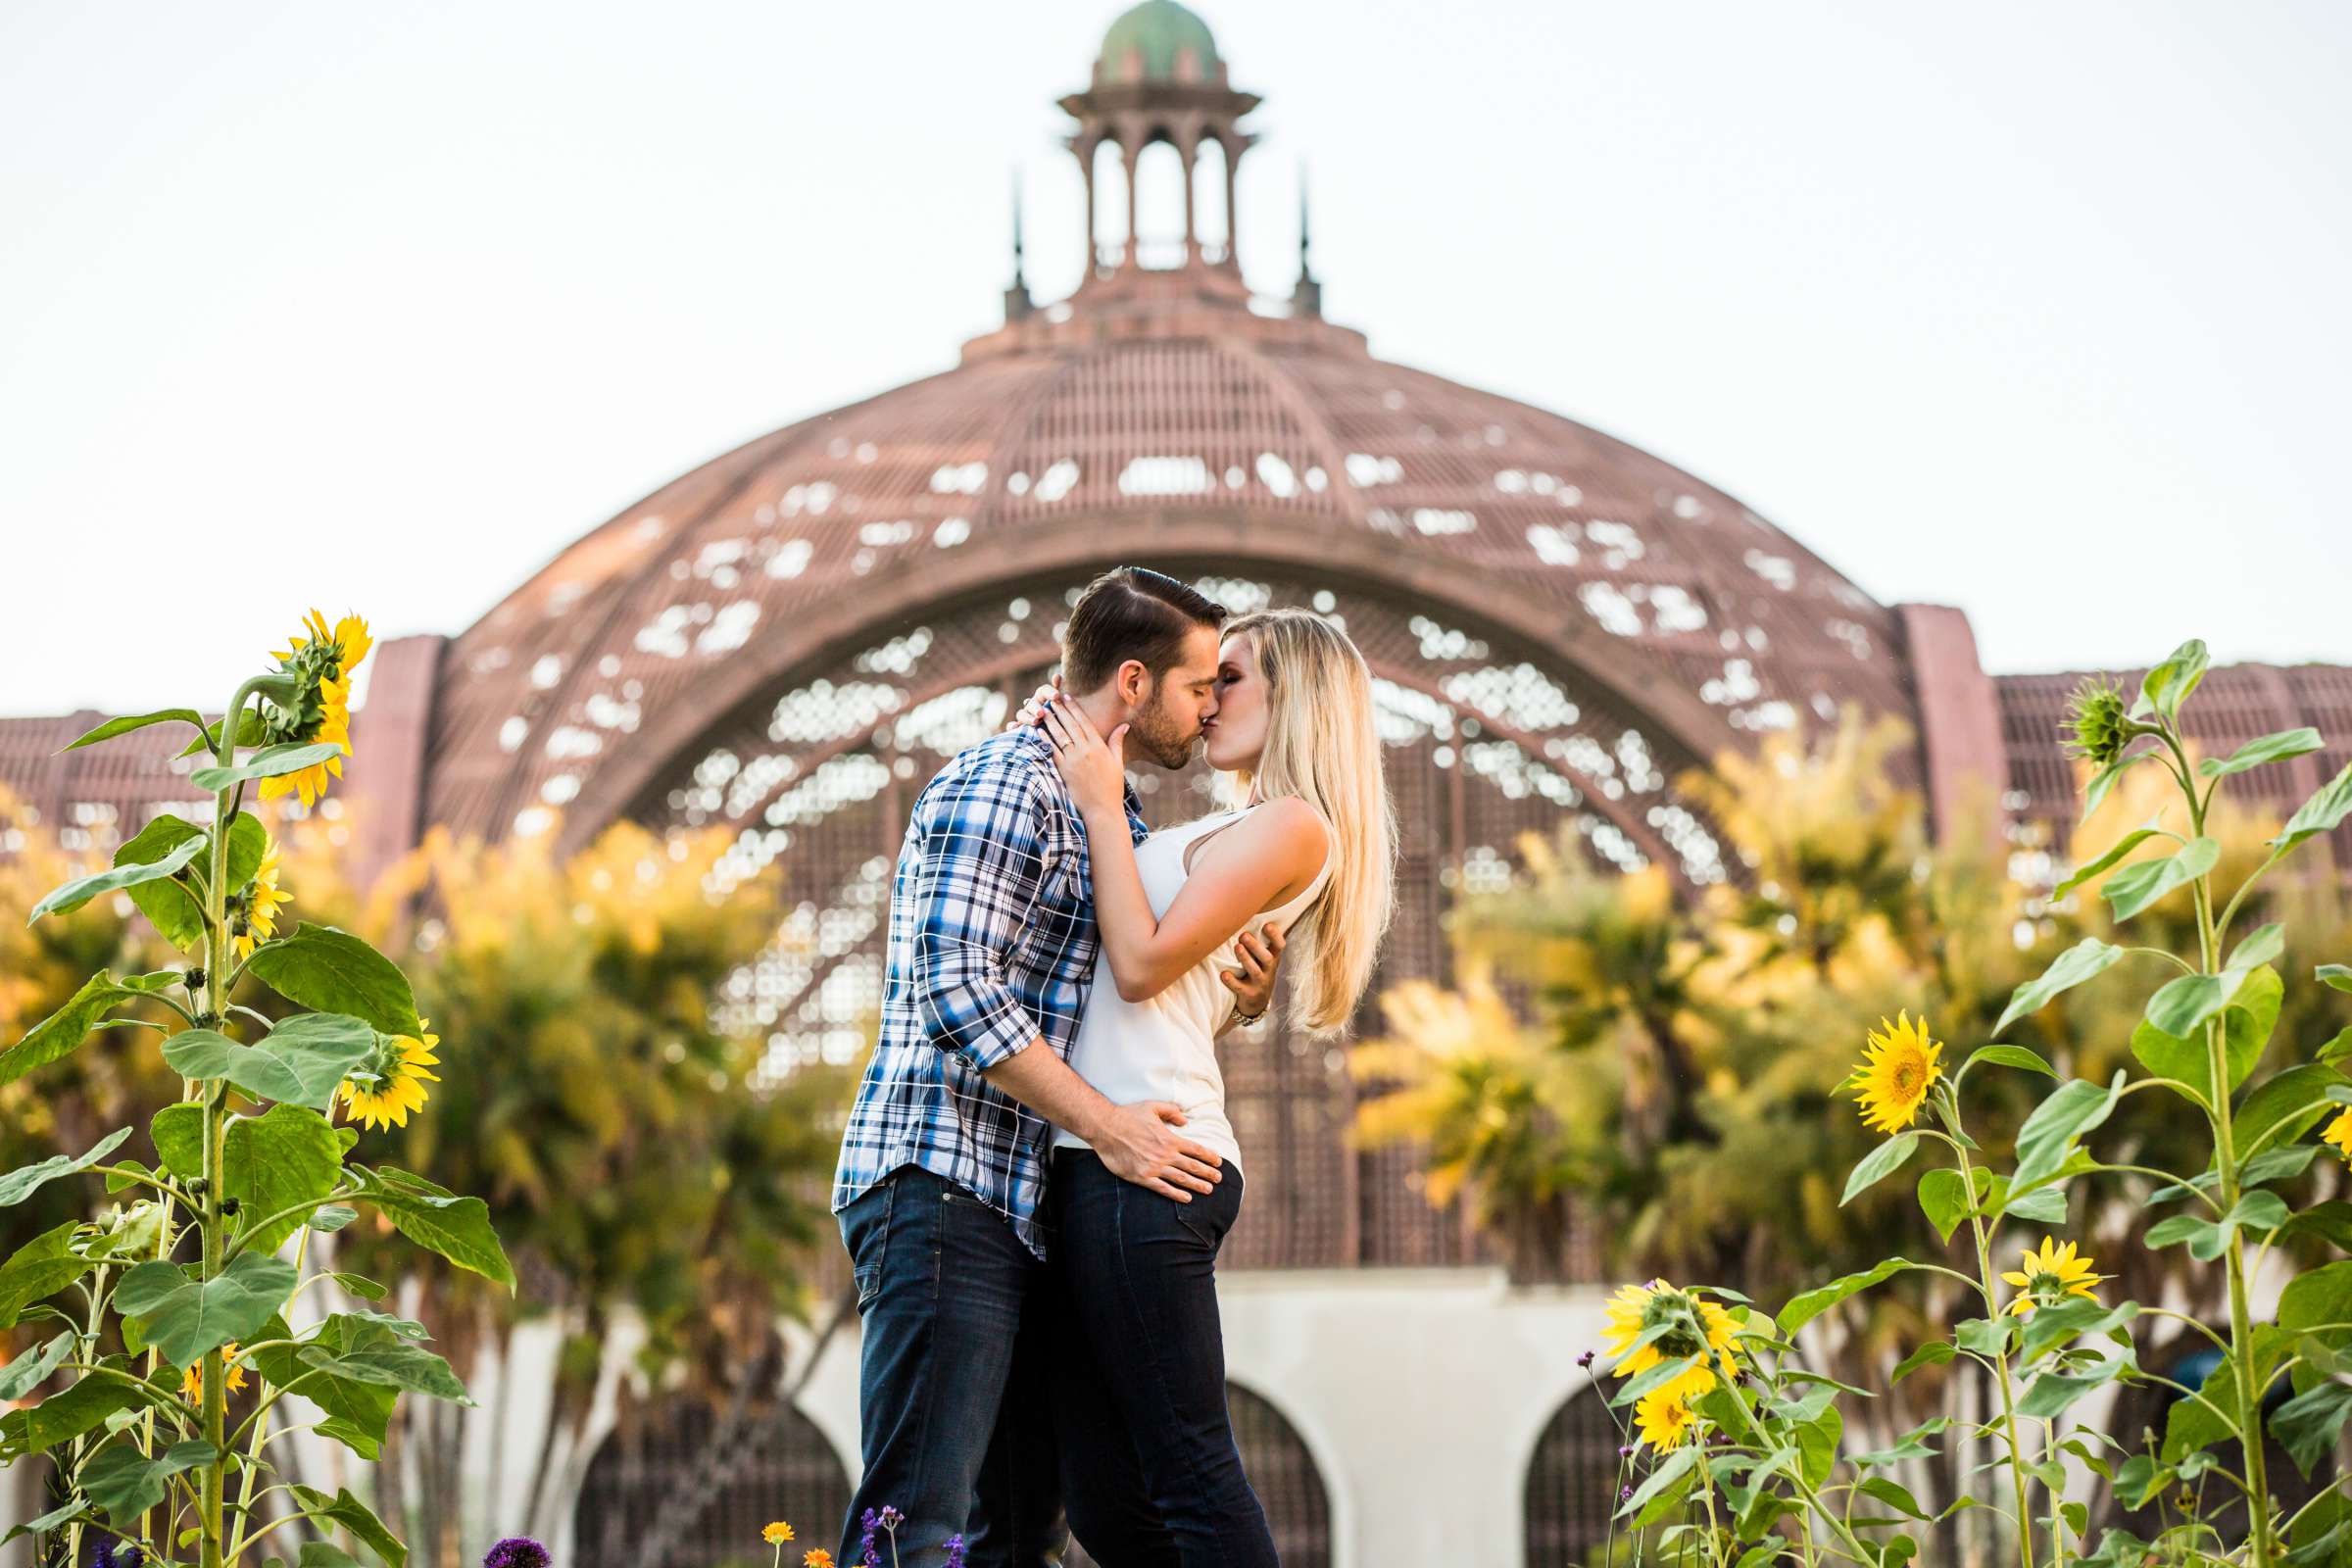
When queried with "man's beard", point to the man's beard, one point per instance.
{"points": [[1162, 739]]}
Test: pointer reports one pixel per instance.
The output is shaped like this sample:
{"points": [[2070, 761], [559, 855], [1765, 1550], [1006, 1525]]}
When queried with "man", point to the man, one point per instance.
{"points": [[943, 1165]]}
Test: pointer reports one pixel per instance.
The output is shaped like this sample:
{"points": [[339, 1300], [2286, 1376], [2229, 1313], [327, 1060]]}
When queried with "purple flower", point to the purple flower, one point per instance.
{"points": [[869, 1555], [892, 1518], [111, 1556], [516, 1551], [1584, 1360], [1624, 1450], [955, 1551], [1625, 1494]]}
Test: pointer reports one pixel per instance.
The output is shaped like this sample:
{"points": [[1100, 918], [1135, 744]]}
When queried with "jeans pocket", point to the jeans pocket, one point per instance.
{"points": [[865, 1227], [1209, 1215]]}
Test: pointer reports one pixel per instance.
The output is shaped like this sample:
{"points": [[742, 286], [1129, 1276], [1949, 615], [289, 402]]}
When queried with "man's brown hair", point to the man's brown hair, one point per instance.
{"points": [[1130, 613]]}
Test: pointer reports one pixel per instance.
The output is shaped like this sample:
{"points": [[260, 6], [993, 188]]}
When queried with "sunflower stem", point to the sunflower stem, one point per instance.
{"points": [[2225, 1164], [210, 1544], [2000, 1360]]}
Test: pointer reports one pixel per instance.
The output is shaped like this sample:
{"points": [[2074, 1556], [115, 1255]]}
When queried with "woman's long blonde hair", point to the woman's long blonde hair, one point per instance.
{"points": [[1323, 747]]}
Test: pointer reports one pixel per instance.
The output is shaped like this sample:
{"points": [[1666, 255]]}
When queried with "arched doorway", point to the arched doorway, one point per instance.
{"points": [[1283, 1474], [645, 1470], [1572, 1484]]}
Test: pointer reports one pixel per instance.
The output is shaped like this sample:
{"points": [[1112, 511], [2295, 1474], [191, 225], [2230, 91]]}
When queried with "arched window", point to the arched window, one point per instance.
{"points": [[1211, 221], [1111, 197], [645, 1478], [1284, 1476], [1572, 1484], [1159, 176]]}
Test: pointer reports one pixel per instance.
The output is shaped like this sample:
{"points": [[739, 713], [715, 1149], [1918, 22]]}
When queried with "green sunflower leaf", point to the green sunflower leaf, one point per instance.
{"points": [[302, 1061], [169, 905], [2268, 749], [81, 1407], [19, 1184], [183, 1318], [1879, 1164], [1804, 1308], [124, 1483], [272, 762], [65, 1030], [38, 1270], [2144, 882], [30, 1370], [2247, 1021], [2168, 684], [333, 971], [2077, 963], [64, 1513], [357, 1518], [280, 1161], [2286, 1105], [2322, 814], [456, 1228], [72, 896], [2006, 1056], [123, 726], [2049, 1135], [393, 1365], [357, 1413], [2308, 1425]]}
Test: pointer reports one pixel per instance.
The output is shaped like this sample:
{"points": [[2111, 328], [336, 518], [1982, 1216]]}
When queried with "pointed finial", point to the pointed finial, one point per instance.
{"points": [[1303, 270], [1016, 222], [1017, 302], [1306, 297]]}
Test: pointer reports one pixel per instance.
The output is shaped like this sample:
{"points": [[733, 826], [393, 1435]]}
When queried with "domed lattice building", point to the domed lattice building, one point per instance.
{"points": [[790, 639]]}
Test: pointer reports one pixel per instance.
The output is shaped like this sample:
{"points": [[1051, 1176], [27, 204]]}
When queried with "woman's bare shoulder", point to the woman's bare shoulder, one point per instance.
{"points": [[1286, 827]]}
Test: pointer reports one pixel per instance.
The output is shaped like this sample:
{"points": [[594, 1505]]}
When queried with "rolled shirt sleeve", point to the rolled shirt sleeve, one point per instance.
{"points": [[984, 859]]}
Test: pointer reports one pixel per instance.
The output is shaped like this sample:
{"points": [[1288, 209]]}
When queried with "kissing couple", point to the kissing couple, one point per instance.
{"points": [[1039, 1170]]}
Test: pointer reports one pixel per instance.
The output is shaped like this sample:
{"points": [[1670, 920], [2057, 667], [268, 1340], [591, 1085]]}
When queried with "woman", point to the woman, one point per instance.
{"points": [[1151, 1473]]}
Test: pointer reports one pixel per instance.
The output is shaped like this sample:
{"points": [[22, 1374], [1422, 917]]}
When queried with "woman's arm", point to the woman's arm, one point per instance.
{"points": [[1254, 865]]}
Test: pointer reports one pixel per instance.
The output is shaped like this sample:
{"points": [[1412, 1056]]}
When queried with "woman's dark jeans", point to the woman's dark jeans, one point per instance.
{"points": [[1150, 1470]]}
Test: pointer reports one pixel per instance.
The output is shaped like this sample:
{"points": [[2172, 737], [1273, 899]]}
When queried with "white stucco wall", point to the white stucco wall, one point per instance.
{"points": [[1420, 1393]]}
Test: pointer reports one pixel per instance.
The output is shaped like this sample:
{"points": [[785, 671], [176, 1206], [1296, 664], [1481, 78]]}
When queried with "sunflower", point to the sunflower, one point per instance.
{"points": [[1898, 1067], [2339, 1133], [2098, 726], [191, 1382], [2050, 1276], [323, 713], [262, 899], [393, 1084], [1663, 1419], [1698, 1327], [776, 1532]]}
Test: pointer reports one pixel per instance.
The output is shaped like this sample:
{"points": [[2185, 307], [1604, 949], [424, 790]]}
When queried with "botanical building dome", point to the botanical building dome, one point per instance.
{"points": [[1158, 41]]}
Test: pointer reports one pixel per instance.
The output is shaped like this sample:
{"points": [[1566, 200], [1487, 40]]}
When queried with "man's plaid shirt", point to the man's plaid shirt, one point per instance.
{"points": [[992, 944]]}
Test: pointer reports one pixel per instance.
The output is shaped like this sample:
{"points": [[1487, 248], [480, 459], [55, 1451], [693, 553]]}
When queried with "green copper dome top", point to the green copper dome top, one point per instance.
{"points": [[1159, 41]]}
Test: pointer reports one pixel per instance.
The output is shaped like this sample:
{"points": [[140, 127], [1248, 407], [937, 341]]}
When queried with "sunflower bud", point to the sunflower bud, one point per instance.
{"points": [[2100, 726], [194, 979]]}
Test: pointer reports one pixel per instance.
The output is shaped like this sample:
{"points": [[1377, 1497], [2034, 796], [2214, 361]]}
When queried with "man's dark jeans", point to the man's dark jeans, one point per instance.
{"points": [[1138, 1373], [951, 1401]]}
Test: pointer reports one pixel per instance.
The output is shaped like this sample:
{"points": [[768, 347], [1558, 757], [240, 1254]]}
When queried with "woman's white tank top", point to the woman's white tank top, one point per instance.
{"points": [[1165, 1049]]}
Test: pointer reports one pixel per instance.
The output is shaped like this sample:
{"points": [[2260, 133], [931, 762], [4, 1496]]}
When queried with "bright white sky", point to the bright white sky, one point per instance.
{"points": [[2036, 309]]}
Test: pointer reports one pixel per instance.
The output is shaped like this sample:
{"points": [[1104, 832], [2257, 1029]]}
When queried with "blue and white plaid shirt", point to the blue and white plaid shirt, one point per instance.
{"points": [[992, 944]]}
